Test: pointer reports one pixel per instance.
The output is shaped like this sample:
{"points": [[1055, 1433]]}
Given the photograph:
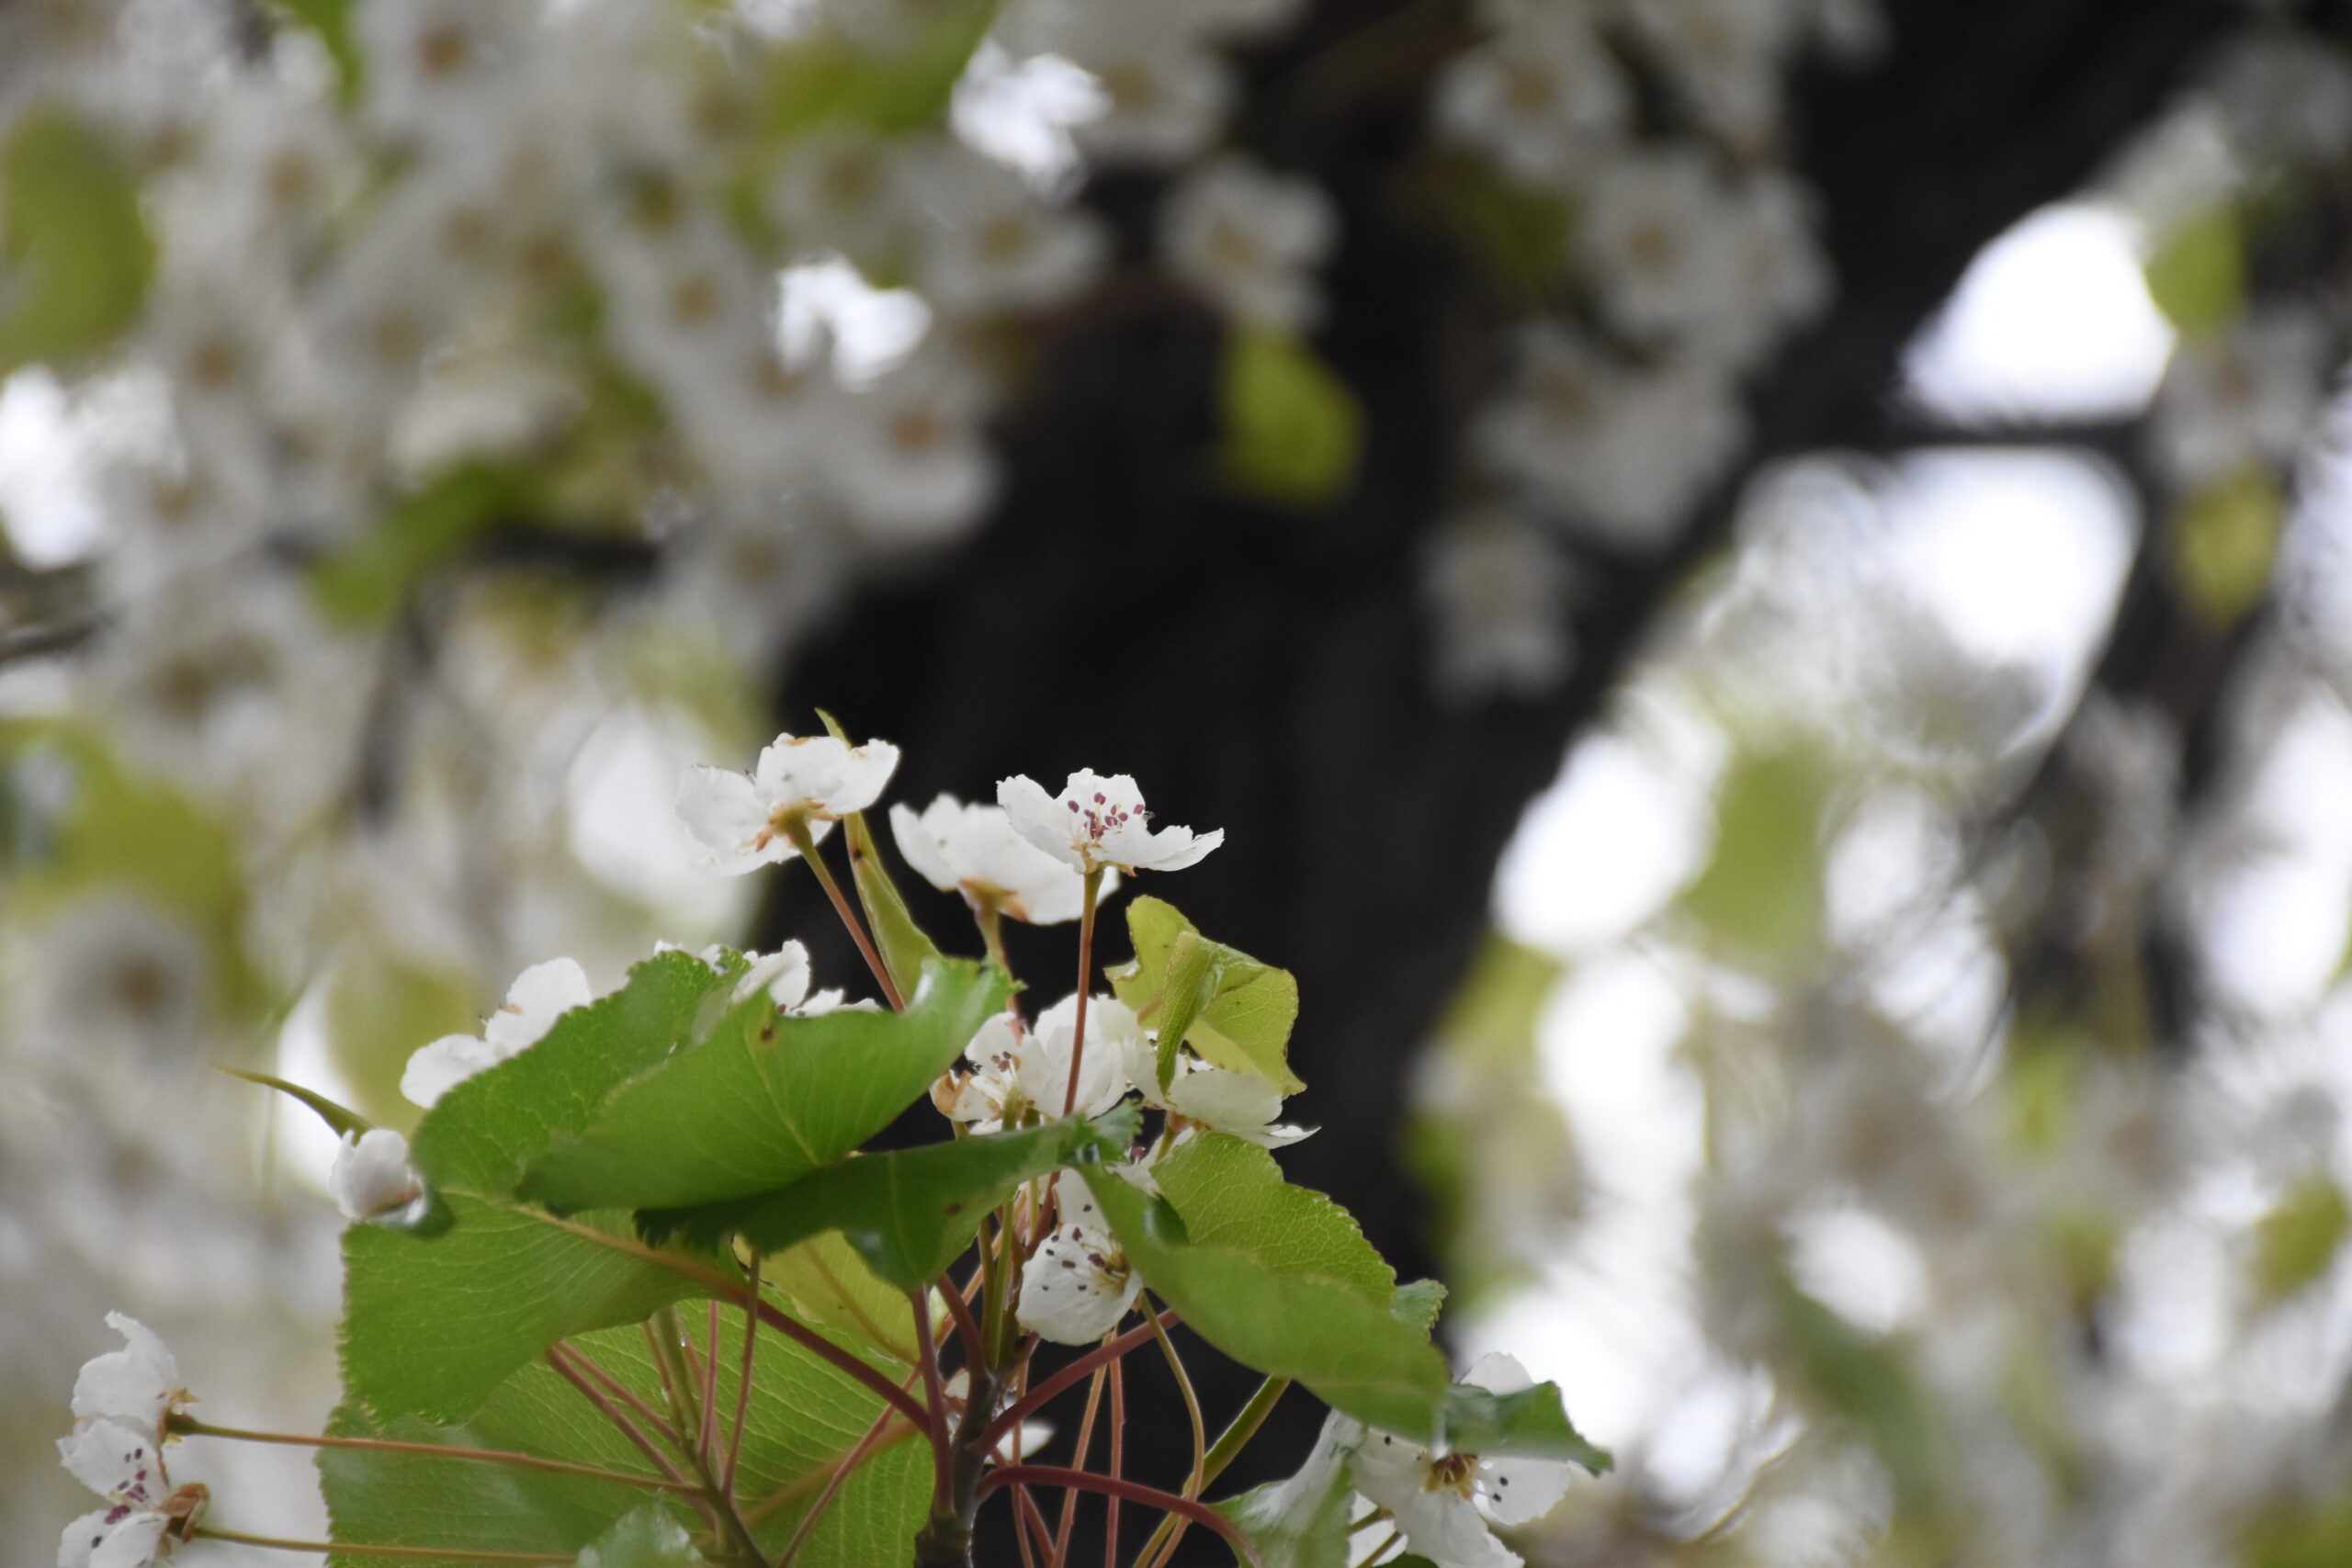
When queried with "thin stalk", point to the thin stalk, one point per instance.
{"points": [[1382, 1550], [991, 923], [877, 1436], [1133, 1491], [797, 832], [1032, 1522], [557, 1358], [960, 1310], [183, 1425], [1077, 1460], [886, 1429], [706, 1440], [1192, 1408], [743, 1382], [1118, 1461], [1085, 983], [359, 1549], [679, 1381], [628, 1395], [935, 1396], [1110, 1352], [1228, 1445]]}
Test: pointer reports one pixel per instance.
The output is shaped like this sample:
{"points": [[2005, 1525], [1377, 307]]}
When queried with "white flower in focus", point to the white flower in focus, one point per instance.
{"points": [[1537, 96], [138, 1385], [539, 995], [783, 973], [1496, 590], [1017, 1069], [1248, 239], [1445, 1501], [744, 820], [1078, 1286], [373, 1180], [117, 1460], [1097, 822], [974, 850], [1242, 1104], [119, 1537]]}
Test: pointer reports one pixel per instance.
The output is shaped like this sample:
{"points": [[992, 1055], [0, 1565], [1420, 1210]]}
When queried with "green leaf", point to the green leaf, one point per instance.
{"points": [[909, 1213], [905, 948], [1244, 1026], [1293, 429], [362, 583], [1231, 1193], [1302, 1522], [337, 1119], [1867, 1383], [1761, 890], [1194, 975], [2295, 1534], [1531, 1424], [804, 1417], [331, 20], [484, 1133], [649, 1536], [1341, 1342], [75, 256], [2197, 276], [765, 1099], [2225, 543], [2296, 1242], [1419, 1303], [829, 1286], [826, 79], [433, 1324]]}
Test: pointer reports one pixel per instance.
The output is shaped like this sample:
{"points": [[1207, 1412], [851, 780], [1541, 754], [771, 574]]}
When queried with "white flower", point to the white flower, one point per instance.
{"points": [[2248, 398], [1097, 822], [905, 457], [1248, 238], [989, 245], [119, 1537], [1164, 92], [1219, 1099], [539, 995], [1443, 1502], [1078, 1286], [744, 820], [117, 1460], [783, 974], [975, 850], [372, 1180], [1497, 592], [1015, 1070], [138, 1385]]}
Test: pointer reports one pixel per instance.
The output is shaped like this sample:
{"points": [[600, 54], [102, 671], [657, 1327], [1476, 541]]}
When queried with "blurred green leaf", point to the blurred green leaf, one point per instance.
{"points": [[825, 79], [1244, 1020], [2197, 277], [380, 1008], [765, 1099], [2306, 1535], [1419, 1303], [1293, 429], [1761, 889], [908, 1212], [1520, 233], [485, 1133], [2296, 1242], [1867, 1382], [331, 20], [2225, 543], [362, 583], [75, 256]]}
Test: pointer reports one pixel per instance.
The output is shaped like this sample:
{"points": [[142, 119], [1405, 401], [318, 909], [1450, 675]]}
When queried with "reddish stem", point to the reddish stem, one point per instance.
{"points": [[1077, 1458], [935, 1396], [1133, 1491], [1085, 985], [743, 1383], [1069, 1375], [1118, 1461], [1032, 1522], [557, 1359], [975, 1348], [807, 844]]}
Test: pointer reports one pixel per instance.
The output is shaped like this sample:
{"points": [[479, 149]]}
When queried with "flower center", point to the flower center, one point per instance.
{"points": [[1102, 818]]}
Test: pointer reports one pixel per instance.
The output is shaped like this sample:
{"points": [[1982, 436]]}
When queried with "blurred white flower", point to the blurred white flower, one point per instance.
{"points": [[1537, 96], [1498, 593], [988, 243], [117, 977], [372, 1180], [744, 820], [975, 850], [783, 973], [906, 458], [539, 995], [2249, 397], [1098, 822], [1248, 240]]}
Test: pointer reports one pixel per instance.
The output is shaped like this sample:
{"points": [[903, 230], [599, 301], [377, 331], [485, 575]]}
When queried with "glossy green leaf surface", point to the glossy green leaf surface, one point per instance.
{"points": [[1244, 1020], [1232, 1193]]}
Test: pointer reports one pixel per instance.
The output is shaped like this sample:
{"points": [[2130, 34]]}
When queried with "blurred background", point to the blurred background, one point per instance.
{"points": [[1760, 586]]}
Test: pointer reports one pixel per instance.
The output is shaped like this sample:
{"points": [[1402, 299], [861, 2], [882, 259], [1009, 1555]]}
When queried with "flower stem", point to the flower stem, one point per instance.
{"points": [[802, 841], [1192, 1408], [991, 923], [1077, 1458], [743, 1383], [1118, 1459], [1045, 1391], [1133, 1491], [357, 1549], [562, 1361], [1085, 983], [1228, 1445], [184, 1425], [935, 1396]]}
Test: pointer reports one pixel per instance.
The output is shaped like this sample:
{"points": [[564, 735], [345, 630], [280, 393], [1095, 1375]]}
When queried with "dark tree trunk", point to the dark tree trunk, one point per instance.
{"points": [[1267, 672]]}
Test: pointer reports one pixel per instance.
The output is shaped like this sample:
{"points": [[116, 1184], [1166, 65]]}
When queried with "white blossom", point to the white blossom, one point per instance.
{"points": [[539, 995], [1097, 822], [119, 1537], [744, 820], [1165, 93], [1017, 1069], [989, 245], [1498, 593], [2249, 397], [905, 457], [1248, 239], [372, 1180], [1220, 1098], [783, 973], [1538, 96], [974, 850], [138, 1385], [1079, 1284], [1445, 1501]]}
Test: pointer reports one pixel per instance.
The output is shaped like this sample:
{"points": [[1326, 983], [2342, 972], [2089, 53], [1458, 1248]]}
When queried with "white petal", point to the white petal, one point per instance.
{"points": [[129, 1538], [1390, 1470], [1240, 1103], [1170, 848], [136, 1384], [116, 1460], [437, 1068], [373, 1180], [928, 841], [1446, 1528], [723, 811], [784, 973], [800, 770], [1044, 1056], [1039, 818], [1077, 1288], [1520, 1490], [865, 774], [539, 995], [1499, 1372]]}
